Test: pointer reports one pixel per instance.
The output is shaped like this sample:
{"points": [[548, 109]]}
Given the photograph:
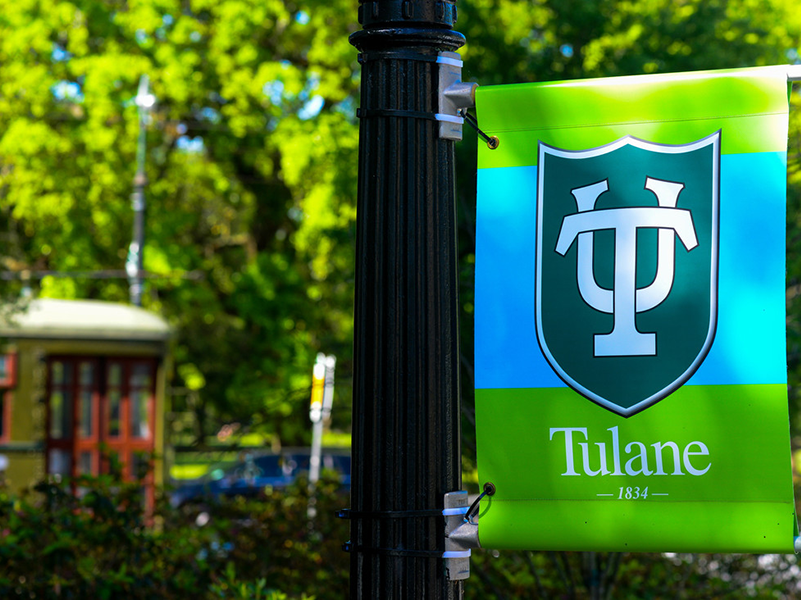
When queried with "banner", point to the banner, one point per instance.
{"points": [[631, 384]]}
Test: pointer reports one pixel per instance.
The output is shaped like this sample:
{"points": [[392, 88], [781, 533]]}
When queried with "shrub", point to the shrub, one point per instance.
{"points": [[101, 544]]}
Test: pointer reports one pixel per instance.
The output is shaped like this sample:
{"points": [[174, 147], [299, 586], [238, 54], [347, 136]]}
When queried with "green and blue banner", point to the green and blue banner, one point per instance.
{"points": [[631, 384]]}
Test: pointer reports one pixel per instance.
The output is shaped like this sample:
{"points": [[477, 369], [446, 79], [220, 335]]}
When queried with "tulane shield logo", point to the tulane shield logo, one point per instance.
{"points": [[627, 261]]}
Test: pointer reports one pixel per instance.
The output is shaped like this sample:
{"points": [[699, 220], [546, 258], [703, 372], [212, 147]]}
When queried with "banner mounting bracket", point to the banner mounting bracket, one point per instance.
{"points": [[454, 95], [461, 531]]}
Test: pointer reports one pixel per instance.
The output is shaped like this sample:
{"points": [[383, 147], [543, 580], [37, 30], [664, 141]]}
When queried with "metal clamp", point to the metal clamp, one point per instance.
{"points": [[454, 95], [461, 535]]}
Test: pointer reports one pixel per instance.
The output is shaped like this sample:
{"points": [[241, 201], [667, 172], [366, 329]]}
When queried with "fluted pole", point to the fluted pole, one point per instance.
{"points": [[406, 450]]}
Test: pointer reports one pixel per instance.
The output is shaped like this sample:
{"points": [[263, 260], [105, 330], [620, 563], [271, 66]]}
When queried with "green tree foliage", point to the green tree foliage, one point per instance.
{"points": [[251, 164]]}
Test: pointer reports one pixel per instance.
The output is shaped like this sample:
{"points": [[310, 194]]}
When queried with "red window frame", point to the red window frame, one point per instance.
{"points": [[77, 443], [87, 439], [6, 399], [124, 444], [10, 380], [7, 384], [64, 443]]}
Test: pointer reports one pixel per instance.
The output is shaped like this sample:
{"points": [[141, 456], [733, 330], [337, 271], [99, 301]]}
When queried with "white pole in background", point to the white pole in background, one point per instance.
{"points": [[322, 398]]}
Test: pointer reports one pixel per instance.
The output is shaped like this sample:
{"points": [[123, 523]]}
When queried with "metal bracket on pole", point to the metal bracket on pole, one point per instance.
{"points": [[461, 535], [454, 95]]}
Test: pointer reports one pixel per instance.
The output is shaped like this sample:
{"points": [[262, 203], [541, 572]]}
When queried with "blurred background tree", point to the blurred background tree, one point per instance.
{"points": [[251, 165]]}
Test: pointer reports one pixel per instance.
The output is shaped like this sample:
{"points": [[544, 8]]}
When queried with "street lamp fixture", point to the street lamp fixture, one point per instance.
{"points": [[134, 264]]}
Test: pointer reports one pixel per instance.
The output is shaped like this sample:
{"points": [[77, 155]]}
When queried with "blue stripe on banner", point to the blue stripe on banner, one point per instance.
{"points": [[749, 346], [506, 351]]}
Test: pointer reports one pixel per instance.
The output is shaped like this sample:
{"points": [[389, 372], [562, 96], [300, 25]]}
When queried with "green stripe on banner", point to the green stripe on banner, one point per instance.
{"points": [[670, 97], [722, 454], [641, 527], [665, 109], [756, 133]]}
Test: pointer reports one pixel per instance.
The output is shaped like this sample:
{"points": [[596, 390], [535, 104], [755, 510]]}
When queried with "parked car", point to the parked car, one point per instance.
{"points": [[255, 473]]}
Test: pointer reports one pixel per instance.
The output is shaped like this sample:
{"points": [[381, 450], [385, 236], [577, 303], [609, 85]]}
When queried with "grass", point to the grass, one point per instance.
{"points": [[188, 471]]}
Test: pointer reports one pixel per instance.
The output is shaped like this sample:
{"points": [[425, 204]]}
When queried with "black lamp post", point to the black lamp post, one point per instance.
{"points": [[406, 450]]}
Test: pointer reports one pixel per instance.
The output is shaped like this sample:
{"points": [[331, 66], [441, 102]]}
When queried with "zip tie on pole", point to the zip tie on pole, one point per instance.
{"points": [[450, 553], [492, 141], [367, 113], [453, 93], [457, 554], [407, 553], [398, 552], [389, 514]]}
